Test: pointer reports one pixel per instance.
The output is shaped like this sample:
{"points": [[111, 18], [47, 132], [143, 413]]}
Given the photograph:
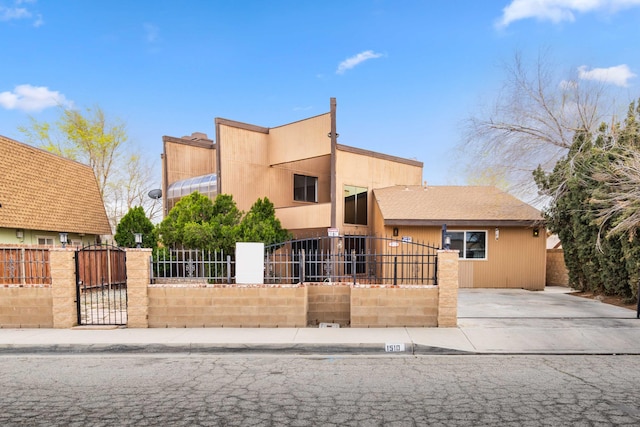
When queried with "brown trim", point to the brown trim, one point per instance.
{"points": [[368, 153], [202, 143], [165, 178], [239, 125], [218, 158], [463, 223], [334, 144]]}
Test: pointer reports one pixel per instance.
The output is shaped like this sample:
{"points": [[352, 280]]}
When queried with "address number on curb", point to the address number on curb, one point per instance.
{"points": [[393, 347]]}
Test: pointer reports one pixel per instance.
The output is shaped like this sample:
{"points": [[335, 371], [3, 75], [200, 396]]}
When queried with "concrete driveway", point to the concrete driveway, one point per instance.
{"points": [[549, 321]]}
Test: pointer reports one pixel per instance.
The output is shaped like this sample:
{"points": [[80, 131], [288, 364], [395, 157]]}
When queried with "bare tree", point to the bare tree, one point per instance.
{"points": [[531, 123], [129, 187]]}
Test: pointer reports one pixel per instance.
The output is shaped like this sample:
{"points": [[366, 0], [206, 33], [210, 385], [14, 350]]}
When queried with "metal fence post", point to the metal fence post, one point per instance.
{"points": [[353, 265], [228, 269], [302, 263], [638, 308], [395, 271]]}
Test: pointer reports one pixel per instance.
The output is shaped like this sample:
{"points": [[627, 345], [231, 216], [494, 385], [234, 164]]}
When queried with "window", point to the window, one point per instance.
{"points": [[355, 205], [45, 241], [471, 244], [305, 188]]}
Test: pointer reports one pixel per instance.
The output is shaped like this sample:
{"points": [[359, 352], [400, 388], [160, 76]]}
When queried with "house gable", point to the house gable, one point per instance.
{"points": [[43, 191]]}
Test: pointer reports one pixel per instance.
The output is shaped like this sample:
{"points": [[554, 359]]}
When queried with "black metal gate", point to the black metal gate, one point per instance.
{"points": [[101, 285], [352, 258]]}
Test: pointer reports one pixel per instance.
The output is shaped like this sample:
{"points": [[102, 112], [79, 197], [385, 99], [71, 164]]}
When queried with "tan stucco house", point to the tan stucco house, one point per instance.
{"points": [[43, 195], [318, 184], [501, 239], [314, 182]]}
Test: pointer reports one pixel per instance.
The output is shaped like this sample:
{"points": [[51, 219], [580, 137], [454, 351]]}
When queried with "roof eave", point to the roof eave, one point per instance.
{"points": [[464, 222]]}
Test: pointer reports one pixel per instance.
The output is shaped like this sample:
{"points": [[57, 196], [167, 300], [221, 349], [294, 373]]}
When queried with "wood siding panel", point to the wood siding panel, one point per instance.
{"points": [[281, 180], [515, 260], [300, 140], [243, 165], [184, 161], [370, 172], [465, 274], [305, 217]]}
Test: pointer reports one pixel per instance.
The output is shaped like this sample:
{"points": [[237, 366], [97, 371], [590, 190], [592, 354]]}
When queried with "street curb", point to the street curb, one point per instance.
{"points": [[368, 349], [201, 348]]}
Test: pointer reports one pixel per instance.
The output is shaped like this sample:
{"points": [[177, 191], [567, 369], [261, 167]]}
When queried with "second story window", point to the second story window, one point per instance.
{"points": [[355, 205], [305, 188]]}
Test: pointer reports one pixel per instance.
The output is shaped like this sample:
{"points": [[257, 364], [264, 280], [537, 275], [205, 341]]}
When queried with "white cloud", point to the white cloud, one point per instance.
{"points": [[558, 10], [618, 75], [32, 98], [18, 11], [39, 21], [349, 63], [10, 13], [152, 32]]}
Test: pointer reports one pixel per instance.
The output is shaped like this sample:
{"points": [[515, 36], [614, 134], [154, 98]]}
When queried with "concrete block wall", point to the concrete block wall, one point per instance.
{"points": [[138, 278], [26, 307], [227, 306], [63, 287], [393, 306], [448, 288], [557, 274], [329, 303], [203, 305]]}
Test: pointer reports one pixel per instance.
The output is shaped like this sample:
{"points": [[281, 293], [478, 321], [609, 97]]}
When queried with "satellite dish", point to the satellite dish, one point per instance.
{"points": [[155, 194]]}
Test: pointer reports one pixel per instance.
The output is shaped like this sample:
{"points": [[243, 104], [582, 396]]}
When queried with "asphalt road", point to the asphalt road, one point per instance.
{"points": [[398, 390]]}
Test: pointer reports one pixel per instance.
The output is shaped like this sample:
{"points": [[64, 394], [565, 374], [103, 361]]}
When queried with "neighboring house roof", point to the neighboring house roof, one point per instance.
{"points": [[42, 191], [453, 205], [553, 241]]}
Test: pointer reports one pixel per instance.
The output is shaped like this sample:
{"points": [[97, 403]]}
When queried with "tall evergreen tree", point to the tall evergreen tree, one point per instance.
{"points": [[595, 209], [135, 221]]}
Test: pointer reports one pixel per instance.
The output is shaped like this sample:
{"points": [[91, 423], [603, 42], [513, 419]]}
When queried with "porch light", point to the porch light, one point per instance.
{"points": [[138, 237], [497, 233], [63, 239], [447, 242], [20, 234]]}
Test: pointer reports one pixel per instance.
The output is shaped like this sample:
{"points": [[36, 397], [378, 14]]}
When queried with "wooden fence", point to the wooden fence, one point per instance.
{"points": [[24, 266]]}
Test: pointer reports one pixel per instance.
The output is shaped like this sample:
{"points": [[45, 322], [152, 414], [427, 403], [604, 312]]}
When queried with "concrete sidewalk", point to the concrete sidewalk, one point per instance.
{"points": [[491, 321]]}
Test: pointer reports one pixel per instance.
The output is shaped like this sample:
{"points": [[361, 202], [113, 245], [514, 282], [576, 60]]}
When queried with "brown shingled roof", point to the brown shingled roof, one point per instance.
{"points": [[453, 205], [42, 191]]}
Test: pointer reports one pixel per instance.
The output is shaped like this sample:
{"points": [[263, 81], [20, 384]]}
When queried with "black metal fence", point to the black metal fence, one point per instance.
{"points": [[176, 265], [356, 259]]}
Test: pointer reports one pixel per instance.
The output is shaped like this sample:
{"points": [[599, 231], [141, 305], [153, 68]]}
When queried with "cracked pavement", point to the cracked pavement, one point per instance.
{"points": [[258, 390]]}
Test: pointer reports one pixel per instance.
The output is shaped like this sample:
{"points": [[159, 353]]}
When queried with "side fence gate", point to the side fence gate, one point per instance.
{"points": [[101, 285]]}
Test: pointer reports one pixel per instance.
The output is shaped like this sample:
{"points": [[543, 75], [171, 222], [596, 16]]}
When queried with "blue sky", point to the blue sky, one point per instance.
{"points": [[405, 73]]}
